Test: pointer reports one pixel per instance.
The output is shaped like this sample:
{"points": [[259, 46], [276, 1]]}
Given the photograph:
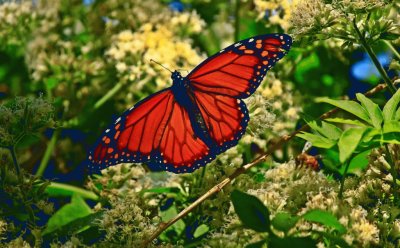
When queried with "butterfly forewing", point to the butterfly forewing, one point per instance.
{"points": [[238, 70]]}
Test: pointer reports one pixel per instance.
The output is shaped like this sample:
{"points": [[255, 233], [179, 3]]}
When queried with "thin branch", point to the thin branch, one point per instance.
{"points": [[374, 59], [217, 188]]}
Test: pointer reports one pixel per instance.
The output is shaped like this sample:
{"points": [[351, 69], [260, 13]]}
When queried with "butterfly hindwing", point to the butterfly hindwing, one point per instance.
{"points": [[225, 117], [181, 149], [238, 70]]}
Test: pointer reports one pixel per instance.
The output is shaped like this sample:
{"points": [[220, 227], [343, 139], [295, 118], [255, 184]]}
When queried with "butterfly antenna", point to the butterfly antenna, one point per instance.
{"points": [[152, 60]]}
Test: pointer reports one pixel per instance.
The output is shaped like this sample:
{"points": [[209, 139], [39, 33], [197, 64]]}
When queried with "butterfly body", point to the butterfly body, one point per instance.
{"points": [[183, 95], [185, 126]]}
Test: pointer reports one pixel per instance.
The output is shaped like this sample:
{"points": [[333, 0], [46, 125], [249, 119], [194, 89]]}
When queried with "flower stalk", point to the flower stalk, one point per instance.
{"points": [[48, 152], [393, 172], [340, 195]]}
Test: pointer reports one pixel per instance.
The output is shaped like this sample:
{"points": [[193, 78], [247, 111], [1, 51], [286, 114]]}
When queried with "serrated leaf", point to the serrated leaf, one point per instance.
{"points": [[317, 140], [284, 221], [349, 106], [251, 211], [348, 142], [389, 110], [328, 130], [325, 218], [373, 110], [346, 121], [74, 210]]}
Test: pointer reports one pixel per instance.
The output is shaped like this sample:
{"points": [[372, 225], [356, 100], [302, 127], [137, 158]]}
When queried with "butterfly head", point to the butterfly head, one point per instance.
{"points": [[176, 76]]}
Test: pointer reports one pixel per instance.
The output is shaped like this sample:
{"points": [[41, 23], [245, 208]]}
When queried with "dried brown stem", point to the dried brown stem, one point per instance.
{"points": [[243, 169]]}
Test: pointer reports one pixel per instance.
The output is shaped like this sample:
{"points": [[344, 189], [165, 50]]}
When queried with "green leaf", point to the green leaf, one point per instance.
{"points": [[349, 106], [76, 226], [328, 130], [306, 242], [397, 115], [163, 190], [358, 163], [317, 140], [325, 218], [251, 211], [284, 221], [348, 142], [391, 127], [74, 210], [170, 213], [373, 110], [370, 134], [390, 107], [51, 82], [201, 230], [346, 121], [389, 36], [390, 138], [61, 189], [257, 244]]}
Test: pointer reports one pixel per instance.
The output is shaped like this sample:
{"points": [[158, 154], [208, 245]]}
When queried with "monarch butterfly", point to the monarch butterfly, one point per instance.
{"points": [[185, 126]]}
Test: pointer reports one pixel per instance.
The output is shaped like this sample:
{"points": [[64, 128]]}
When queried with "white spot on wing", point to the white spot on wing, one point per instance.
{"points": [[237, 44], [108, 130], [118, 120], [223, 50], [251, 40]]}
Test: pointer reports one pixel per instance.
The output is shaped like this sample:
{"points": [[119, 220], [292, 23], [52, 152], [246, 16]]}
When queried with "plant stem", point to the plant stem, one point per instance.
{"points": [[393, 172], [343, 179], [237, 20], [114, 91], [61, 189], [164, 225], [15, 161], [21, 181], [374, 59], [48, 152], [392, 48], [203, 172], [107, 96]]}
